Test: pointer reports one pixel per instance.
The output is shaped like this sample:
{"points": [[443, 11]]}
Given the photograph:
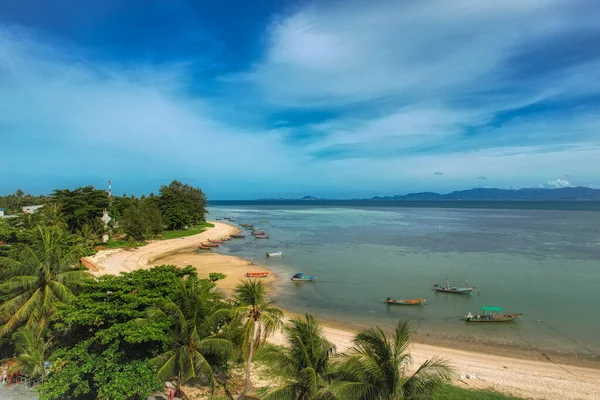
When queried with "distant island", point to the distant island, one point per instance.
{"points": [[478, 194], [490, 194]]}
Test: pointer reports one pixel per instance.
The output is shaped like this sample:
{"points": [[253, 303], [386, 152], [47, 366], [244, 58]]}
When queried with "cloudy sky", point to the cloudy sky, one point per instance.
{"points": [[286, 98]]}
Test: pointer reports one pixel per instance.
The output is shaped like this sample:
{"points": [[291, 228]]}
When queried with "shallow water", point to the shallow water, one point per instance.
{"points": [[544, 264]]}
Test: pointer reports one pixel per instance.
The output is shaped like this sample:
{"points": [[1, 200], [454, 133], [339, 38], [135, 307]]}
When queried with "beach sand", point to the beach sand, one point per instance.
{"points": [[476, 370]]}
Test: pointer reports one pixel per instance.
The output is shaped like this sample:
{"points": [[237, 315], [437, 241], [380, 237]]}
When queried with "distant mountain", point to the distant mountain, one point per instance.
{"points": [[568, 193], [282, 199]]}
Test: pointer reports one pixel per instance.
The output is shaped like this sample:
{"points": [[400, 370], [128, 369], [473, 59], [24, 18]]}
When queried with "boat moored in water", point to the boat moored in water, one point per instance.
{"points": [[300, 277], [238, 236], [454, 289], [410, 302], [491, 314], [258, 233], [261, 236], [210, 244], [277, 254]]}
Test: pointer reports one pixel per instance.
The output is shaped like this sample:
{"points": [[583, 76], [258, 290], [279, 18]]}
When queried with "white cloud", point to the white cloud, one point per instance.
{"points": [[559, 183]]}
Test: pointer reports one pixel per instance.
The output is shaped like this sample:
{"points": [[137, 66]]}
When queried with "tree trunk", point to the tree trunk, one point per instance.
{"points": [[242, 396]]}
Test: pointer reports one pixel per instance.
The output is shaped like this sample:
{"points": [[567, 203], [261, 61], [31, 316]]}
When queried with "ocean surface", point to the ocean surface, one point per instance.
{"points": [[544, 263]]}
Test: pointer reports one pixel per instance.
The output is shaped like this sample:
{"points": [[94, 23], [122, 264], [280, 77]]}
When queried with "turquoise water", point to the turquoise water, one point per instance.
{"points": [[544, 264]]}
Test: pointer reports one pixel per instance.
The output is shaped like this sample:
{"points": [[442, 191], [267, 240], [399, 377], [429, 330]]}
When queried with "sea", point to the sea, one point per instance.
{"points": [[541, 259]]}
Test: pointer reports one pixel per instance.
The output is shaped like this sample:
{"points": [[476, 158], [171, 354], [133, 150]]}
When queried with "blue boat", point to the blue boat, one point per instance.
{"points": [[299, 276]]}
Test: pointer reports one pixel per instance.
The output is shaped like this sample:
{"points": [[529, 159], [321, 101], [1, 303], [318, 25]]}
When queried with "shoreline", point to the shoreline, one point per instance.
{"points": [[521, 372]]}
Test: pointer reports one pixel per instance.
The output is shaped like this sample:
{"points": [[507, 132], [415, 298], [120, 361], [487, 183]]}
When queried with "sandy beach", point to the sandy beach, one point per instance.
{"points": [[520, 377]]}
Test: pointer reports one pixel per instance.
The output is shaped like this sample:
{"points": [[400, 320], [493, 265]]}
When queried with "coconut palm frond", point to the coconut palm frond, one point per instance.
{"points": [[427, 378], [287, 392]]}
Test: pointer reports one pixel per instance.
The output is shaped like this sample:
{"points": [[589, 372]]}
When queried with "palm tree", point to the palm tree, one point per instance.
{"points": [[41, 277], [305, 361], [259, 318], [198, 314], [32, 347], [88, 235], [375, 369]]}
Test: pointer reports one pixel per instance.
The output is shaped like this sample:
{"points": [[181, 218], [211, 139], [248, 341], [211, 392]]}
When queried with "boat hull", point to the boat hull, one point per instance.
{"points": [[257, 274], [492, 318], [412, 302], [455, 291], [303, 279]]}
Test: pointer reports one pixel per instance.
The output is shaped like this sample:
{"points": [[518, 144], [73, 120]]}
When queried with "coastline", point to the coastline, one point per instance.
{"points": [[527, 374]]}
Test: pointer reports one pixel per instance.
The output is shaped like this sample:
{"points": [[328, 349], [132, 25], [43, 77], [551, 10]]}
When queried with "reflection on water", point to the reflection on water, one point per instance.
{"points": [[542, 263]]}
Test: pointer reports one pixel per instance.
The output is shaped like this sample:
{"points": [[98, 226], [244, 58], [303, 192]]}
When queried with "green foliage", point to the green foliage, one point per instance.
{"points": [[8, 234], [32, 346], [141, 219], [181, 205], [102, 374], [13, 203], [186, 232], [374, 367], [39, 278], [122, 243], [305, 363], [449, 392], [107, 343], [198, 314], [259, 320], [81, 206], [215, 276]]}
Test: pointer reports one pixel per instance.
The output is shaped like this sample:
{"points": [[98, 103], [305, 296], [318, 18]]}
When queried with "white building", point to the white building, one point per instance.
{"points": [[31, 209], [1, 212]]}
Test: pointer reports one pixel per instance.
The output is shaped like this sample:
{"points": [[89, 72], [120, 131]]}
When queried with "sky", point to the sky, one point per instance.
{"points": [[280, 98]]}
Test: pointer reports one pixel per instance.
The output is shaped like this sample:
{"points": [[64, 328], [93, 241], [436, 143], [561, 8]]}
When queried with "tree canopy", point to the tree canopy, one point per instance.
{"points": [[81, 206], [182, 205]]}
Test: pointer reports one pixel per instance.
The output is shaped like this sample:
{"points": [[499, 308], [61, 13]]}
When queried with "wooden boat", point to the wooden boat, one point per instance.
{"points": [[257, 274], [491, 314], [300, 277], [258, 233], [277, 254], [211, 244], [238, 236], [202, 247], [261, 236], [457, 290], [216, 241], [218, 219], [245, 225], [410, 302]]}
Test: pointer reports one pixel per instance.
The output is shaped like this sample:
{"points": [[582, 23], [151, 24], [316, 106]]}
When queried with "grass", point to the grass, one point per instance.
{"points": [[121, 243], [449, 392], [196, 229]]}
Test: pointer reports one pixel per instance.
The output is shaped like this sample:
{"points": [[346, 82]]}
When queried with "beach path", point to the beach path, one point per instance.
{"points": [[122, 260]]}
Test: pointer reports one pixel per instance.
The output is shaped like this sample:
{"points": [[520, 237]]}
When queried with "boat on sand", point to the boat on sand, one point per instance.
{"points": [[202, 247], [210, 244], [257, 274], [277, 254], [299, 276], [454, 289], [216, 241], [410, 302], [491, 314]]}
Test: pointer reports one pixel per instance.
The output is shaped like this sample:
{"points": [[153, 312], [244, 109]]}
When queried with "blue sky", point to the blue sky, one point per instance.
{"points": [[287, 98]]}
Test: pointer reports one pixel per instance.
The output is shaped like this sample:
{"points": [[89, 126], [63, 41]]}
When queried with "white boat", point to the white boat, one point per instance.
{"points": [[278, 254]]}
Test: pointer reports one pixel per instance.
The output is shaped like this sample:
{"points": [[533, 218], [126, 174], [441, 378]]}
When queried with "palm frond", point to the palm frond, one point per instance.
{"points": [[427, 378], [287, 392]]}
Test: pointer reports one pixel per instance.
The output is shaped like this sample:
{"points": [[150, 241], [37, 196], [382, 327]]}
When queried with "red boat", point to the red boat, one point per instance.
{"points": [[202, 247], [211, 244], [257, 274], [258, 233], [261, 236]]}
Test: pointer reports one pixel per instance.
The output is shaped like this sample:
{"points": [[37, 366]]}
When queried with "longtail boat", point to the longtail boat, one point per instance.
{"points": [[300, 277], [256, 274], [491, 314], [238, 236], [261, 236], [245, 225], [258, 232], [216, 241], [457, 290], [410, 302], [202, 247], [277, 254], [211, 244]]}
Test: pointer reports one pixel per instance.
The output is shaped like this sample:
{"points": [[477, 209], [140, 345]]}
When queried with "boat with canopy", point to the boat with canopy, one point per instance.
{"points": [[454, 289], [300, 277], [491, 314]]}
